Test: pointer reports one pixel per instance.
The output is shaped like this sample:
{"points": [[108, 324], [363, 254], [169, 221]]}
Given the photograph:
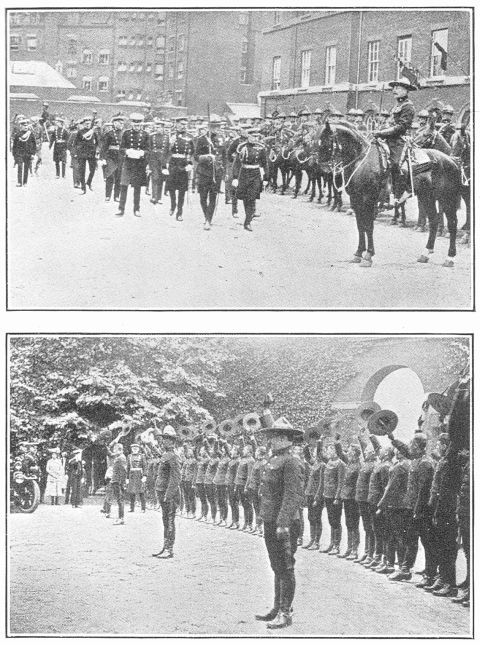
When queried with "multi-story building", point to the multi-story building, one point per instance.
{"points": [[346, 58]]}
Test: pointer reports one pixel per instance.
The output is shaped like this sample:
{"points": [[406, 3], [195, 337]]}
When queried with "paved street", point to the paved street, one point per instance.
{"points": [[73, 572], [68, 251]]}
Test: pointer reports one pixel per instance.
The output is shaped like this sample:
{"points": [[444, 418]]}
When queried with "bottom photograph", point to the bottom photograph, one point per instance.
{"points": [[239, 485]]}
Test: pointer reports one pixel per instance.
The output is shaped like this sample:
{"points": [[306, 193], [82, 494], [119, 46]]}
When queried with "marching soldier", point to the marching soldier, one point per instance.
{"points": [[208, 173], [86, 143], [402, 114], [136, 476], [167, 487], [282, 492], [249, 174], [58, 141], [158, 147], [23, 149], [179, 166], [72, 148], [232, 151], [111, 158], [134, 147]]}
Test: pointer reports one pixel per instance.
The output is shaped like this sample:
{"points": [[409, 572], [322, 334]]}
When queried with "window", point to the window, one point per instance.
{"points": [[180, 69], [438, 59], [122, 41], [104, 57], [373, 50], [276, 67], [404, 53], [87, 57], [71, 72], [181, 43], [103, 84], [132, 41], [140, 41], [122, 66], [130, 96], [160, 42], [171, 44], [72, 47], [15, 42], [139, 67], [139, 96], [305, 69], [148, 68], [330, 64], [87, 83], [32, 42], [159, 71], [149, 41], [244, 45], [243, 75], [121, 94], [59, 67], [170, 71], [132, 67], [179, 97]]}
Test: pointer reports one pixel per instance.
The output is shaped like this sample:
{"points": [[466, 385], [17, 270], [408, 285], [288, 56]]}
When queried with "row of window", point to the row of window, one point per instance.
{"points": [[136, 95], [102, 85], [139, 67], [17, 19], [141, 41], [31, 42], [439, 42]]}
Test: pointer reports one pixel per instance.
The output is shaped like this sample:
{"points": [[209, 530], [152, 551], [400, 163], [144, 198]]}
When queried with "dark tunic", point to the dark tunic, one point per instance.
{"points": [[158, 147], [333, 478], [168, 475], [110, 151], [402, 114], [282, 490], [256, 474], [251, 157], [394, 495], [136, 469], [244, 467], [209, 171], [190, 470], [133, 169], [220, 475], [201, 470], [58, 141], [378, 482], [24, 146], [232, 471], [86, 143], [211, 470], [181, 153], [363, 481]]}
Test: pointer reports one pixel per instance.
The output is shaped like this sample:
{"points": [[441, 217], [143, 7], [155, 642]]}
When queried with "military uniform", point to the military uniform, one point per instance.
{"points": [[333, 477], [110, 153], [209, 173], [58, 141], [189, 473], [210, 490], [86, 143], [244, 467], [376, 488], [202, 465], [350, 505], [167, 487], [136, 475], [231, 155], [233, 499], [447, 130], [181, 153], [23, 149], [221, 488], [158, 148], [314, 497], [251, 158], [133, 147]]}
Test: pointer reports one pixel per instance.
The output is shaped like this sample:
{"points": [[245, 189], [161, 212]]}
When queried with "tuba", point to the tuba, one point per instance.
{"points": [[185, 433], [209, 427], [251, 423], [225, 428], [382, 422]]}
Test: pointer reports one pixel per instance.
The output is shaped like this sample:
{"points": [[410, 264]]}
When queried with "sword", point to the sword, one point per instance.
{"points": [[410, 172]]}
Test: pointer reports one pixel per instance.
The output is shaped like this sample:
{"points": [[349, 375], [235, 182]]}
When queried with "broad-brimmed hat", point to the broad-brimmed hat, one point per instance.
{"points": [[119, 117], [134, 445], [423, 114], [283, 426], [366, 409], [169, 432], [403, 82], [86, 118], [382, 422], [448, 109]]}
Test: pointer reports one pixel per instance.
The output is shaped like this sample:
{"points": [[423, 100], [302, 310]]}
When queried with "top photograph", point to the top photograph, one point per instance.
{"points": [[169, 160]]}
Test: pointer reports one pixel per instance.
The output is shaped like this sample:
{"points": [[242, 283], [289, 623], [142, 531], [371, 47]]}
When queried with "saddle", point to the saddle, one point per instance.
{"points": [[420, 161], [384, 154]]}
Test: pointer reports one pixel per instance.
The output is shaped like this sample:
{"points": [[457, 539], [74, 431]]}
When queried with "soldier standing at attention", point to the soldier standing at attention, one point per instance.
{"points": [[158, 147], [219, 482], [58, 141], [231, 488], [167, 487], [249, 174], [244, 467], [180, 164], [111, 159], [333, 477], [281, 500], [402, 115], [136, 476], [134, 147], [23, 149]]}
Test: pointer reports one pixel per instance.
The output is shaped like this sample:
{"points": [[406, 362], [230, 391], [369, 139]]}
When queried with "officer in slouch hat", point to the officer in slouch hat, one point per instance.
{"points": [[281, 495]]}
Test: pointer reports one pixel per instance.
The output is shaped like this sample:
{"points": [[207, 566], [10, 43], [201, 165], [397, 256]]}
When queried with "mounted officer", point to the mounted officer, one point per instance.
{"points": [[402, 115]]}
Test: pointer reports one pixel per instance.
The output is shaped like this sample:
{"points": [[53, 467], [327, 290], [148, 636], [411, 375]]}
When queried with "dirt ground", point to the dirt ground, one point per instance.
{"points": [[68, 251], [71, 571]]}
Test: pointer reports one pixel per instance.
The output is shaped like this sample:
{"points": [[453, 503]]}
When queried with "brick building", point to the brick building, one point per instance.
{"points": [[347, 57]]}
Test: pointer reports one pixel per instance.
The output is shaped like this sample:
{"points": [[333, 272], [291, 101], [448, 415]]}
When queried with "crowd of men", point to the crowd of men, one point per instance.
{"points": [[170, 157]]}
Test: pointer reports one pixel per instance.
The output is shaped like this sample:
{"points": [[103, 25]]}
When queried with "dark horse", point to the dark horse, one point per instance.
{"points": [[361, 162], [461, 149]]}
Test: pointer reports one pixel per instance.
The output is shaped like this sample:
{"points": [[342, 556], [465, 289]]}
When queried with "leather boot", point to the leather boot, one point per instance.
{"points": [[336, 542], [349, 545], [318, 535], [157, 555], [167, 554], [283, 619], [312, 537], [272, 614], [330, 546]]}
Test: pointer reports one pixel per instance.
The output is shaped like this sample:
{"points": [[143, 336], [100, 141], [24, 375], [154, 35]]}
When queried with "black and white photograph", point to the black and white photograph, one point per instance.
{"points": [[239, 485], [239, 159]]}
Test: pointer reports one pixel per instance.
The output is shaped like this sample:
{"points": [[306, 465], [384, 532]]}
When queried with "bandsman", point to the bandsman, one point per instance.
{"points": [[134, 148]]}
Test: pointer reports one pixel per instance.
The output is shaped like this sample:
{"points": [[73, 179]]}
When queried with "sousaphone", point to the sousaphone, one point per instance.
{"points": [[225, 428], [382, 422], [185, 433], [209, 427], [251, 423], [238, 427]]}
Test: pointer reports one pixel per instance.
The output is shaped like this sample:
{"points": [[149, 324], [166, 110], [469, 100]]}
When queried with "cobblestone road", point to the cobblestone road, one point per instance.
{"points": [[69, 251], [73, 572]]}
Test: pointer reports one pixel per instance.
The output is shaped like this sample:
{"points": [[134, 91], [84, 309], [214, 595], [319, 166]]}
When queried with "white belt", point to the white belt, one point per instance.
{"points": [[246, 165]]}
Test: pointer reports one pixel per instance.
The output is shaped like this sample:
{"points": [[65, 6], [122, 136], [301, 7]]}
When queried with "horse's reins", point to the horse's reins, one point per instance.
{"points": [[342, 167]]}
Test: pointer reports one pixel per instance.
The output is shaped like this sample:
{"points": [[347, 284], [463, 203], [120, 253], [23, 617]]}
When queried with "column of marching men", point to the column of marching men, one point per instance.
{"points": [[394, 494], [177, 157]]}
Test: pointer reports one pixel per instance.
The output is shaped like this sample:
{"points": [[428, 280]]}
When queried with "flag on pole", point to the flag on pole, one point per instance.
{"points": [[443, 52]]}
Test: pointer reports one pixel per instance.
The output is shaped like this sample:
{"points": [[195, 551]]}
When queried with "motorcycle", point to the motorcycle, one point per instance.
{"points": [[24, 488]]}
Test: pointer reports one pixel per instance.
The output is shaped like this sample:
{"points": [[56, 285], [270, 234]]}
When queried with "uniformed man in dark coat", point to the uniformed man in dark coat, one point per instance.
{"points": [[58, 141], [447, 130], [209, 172], [231, 155], [134, 149], [281, 494], [86, 144], [180, 164], [168, 493], [402, 115], [111, 158], [248, 173], [158, 148], [23, 149]]}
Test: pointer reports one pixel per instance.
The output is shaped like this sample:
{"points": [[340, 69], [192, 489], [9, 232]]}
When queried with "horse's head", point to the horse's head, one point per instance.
{"points": [[326, 143]]}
